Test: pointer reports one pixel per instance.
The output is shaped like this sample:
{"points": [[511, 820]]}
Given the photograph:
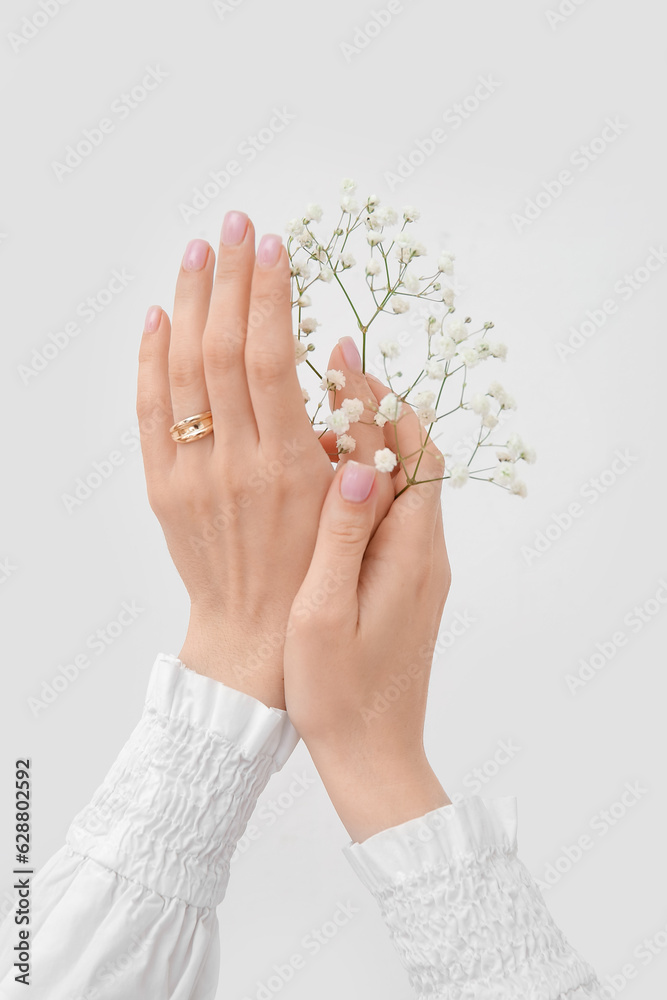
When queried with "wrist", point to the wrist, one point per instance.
{"points": [[234, 658], [373, 793]]}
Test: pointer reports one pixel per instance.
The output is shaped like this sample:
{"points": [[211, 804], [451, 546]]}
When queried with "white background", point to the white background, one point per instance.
{"points": [[535, 617]]}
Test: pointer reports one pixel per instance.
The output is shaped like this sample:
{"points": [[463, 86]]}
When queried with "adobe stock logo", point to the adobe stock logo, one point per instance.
{"points": [[581, 158], [31, 26], [364, 34]]}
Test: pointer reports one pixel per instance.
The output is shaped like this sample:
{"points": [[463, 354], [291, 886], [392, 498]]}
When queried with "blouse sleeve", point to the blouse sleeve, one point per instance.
{"points": [[465, 915], [127, 908]]}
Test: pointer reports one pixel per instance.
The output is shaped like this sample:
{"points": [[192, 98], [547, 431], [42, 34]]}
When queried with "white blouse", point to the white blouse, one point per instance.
{"points": [[127, 908]]}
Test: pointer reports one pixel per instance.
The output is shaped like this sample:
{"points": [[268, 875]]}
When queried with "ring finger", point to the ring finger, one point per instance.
{"points": [[191, 303]]}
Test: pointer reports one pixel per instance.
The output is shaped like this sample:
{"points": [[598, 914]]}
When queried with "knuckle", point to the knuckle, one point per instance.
{"points": [[267, 368], [232, 269], [145, 403], [345, 534], [267, 303], [184, 371], [156, 504], [221, 353]]}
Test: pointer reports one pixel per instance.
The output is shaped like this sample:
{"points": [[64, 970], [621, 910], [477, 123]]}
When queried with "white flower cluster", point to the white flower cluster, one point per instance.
{"points": [[397, 277]]}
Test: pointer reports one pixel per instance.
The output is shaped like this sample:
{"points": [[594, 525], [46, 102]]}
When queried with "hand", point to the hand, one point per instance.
{"points": [[239, 508], [361, 636]]}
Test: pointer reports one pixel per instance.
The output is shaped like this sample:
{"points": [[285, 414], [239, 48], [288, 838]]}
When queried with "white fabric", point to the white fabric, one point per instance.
{"points": [[464, 913], [127, 907]]}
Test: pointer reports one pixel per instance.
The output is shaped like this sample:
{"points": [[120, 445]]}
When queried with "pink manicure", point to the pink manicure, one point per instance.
{"points": [[350, 354], [268, 251], [195, 255], [234, 228], [356, 481], [153, 317]]}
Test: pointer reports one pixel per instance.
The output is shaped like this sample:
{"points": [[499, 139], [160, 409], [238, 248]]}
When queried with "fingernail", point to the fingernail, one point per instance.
{"points": [[153, 317], [195, 255], [268, 251], [356, 481], [350, 353], [234, 227]]}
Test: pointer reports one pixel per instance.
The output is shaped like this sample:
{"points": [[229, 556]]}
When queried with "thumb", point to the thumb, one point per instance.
{"points": [[346, 524]]}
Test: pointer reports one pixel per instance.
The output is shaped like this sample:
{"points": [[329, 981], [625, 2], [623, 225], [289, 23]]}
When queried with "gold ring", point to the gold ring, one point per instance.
{"points": [[192, 428]]}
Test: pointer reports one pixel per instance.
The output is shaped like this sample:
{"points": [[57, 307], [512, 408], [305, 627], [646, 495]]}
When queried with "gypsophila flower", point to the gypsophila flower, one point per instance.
{"points": [[389, 348], [408, 247], [301, 268], [444, 347], [451, 343], [345, 444], [353, 409], [517, 449], [446, 262], [434, 369], [300, 350], [390, 407], [338, 422], [333, 379], [498, 392], [296, 228], [385, 460], [459, 476], [457, 330], [424, 398], [349, 204], [504, 473], [308, 325], [314, 213], [411, 283], [480, 404], [426, 415], [386, 216], [471, 357]]}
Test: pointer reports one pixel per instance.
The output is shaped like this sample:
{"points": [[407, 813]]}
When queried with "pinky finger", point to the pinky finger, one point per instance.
{"points": [[328, 443], [154, 410]]}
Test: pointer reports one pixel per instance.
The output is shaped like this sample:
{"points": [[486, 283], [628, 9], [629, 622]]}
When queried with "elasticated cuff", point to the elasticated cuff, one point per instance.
{"points": [[453, 832], [175, 691], [177, 800]]}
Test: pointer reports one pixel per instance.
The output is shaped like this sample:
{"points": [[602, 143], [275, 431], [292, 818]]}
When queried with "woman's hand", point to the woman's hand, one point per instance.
{"points": [[361, 636], [239, 508]]}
